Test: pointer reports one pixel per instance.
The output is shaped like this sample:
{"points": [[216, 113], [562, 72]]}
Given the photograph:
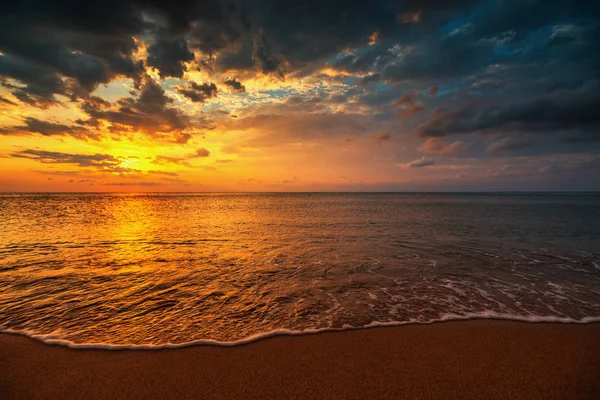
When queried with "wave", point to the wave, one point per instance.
{"points": [[486, 315]]}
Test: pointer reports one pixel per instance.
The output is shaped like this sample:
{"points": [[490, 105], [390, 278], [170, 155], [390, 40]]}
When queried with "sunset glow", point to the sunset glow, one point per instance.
{"points": [[401, 97]]}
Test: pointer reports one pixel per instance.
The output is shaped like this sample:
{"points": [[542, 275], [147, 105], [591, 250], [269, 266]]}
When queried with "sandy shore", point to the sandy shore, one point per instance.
{"points": [[472, 359]]}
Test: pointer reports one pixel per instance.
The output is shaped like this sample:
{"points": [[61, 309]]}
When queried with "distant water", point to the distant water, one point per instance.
{"points": [[128, 269]]}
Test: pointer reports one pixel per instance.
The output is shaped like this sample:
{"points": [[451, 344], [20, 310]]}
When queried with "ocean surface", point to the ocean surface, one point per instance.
{"points": [[175, 269]]}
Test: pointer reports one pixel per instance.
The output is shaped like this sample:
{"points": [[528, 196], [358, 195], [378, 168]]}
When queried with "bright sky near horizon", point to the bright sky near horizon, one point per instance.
{"points": [[266, 95]]}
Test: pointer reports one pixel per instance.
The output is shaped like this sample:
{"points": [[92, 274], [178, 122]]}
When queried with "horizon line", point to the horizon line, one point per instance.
{"points": [[306, 192]]}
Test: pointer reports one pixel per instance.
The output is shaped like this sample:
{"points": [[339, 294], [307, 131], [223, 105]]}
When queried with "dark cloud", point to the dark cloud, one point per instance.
{"points": [[86, 45], [263, 58], [444, 58], [86, 69], [168, 55], [575, 110], [199, 93], [355, 63], [83, 160], [46, 42], [46, 128], [425, 48], [314, 31], [235, 85], [39, 84], [386, 137], [93, 43], [560, 40], [220, 28], [517, 20], [506, 144]]}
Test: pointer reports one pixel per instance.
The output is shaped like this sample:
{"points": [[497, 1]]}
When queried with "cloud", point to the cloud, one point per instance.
{"points": [[485, 79], [132, 184], [38, 84], [166, 160], [100, 161], [507, 144], [263, 58], [202, 153], [407, 98], [165, 173], [152, 113], [411, 110], [384, 137], [436, 145], [293, 123], [45, 128], [59, 173], [423, 162], [440, 59], [168, 55], [199, 93], [293, 180], [302, 38], [235, 85], [44, 44], [409, 105], [574, 110], [6, 101]]}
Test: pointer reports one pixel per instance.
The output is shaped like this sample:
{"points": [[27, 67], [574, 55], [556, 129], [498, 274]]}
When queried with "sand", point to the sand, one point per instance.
{"points": [[469, 360]]}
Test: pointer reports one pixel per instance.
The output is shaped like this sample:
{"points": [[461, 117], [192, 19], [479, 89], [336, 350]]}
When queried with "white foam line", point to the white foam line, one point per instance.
{"points": [[486, 315]]}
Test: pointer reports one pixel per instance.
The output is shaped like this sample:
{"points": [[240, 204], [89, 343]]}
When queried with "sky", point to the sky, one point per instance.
{"points": [[267, 95]]}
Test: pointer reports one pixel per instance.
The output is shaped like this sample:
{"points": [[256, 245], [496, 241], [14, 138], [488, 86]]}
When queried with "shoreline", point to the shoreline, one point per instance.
{"points": [[52, 341], [467, 359]]}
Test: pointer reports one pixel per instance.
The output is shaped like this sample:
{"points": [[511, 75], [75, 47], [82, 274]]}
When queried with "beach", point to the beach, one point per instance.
{"points": [[481, 359]]}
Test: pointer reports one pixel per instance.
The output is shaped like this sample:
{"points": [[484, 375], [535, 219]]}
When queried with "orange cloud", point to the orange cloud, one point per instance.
{"points": [[436, 145]]}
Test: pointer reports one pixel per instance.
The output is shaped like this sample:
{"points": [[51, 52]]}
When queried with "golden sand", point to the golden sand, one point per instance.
{"points": [[468, 360]]}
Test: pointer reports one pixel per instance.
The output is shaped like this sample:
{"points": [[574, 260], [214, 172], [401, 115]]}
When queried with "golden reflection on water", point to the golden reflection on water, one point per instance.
{"points": [[133, 222]]}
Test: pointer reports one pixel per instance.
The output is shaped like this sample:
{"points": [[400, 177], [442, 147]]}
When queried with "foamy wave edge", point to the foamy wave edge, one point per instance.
{"points": [[53, 340]]}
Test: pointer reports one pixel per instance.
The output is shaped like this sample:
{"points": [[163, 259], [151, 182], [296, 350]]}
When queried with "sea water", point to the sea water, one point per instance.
{"points": [[174, 269]]}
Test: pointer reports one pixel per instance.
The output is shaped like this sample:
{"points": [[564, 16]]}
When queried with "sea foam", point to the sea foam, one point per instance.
{"points": [[488, 315]]}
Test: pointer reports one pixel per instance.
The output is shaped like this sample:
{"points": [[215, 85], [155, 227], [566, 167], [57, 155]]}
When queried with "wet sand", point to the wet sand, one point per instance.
{"points": [[469, 360]]}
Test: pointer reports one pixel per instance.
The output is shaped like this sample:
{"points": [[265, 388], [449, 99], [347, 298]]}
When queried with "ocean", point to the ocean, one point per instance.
{"points": [[164, 270]]}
